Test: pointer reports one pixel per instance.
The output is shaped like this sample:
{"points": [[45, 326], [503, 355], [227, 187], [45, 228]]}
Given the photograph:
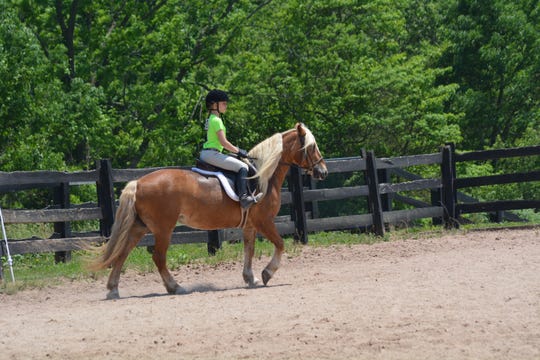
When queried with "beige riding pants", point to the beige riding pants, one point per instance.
{"points": [[224, 161]]}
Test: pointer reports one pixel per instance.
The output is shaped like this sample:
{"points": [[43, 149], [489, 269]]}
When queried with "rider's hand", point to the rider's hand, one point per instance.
{"points": [[242, 153]]}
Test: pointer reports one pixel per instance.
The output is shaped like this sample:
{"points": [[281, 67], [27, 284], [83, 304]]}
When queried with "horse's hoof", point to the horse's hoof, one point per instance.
{"points": [[254, 283], [113, 295], [266, 276]]}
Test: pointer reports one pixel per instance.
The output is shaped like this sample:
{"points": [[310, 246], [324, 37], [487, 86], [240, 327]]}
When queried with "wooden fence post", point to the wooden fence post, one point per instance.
{"points": [[62, 229], [386, 200], [215, 239], [313, 205], [436, 201], [497, 216], [374, 194], [454, 177], [448, 197], [299, 208], [437, 194], [105, 194]]}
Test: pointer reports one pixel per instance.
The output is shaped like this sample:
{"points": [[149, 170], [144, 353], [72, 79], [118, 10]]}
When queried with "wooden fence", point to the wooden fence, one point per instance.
{"points": [[445, 208]]}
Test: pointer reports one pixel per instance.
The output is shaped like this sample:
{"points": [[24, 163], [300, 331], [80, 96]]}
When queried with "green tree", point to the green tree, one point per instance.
{"points": [[125, 80], [344, 68], [495, 59], [30, 99], [133, 73]]}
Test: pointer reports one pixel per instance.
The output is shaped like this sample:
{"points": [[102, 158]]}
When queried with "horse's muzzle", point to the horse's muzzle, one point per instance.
{"points": [[320, 172]]}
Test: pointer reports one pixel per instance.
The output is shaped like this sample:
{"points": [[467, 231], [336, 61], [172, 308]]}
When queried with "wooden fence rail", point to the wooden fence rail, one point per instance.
{"points": [[445, 208]]}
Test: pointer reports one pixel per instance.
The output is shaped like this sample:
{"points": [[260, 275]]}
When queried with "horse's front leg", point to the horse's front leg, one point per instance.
{"points": [[249, 251], [271, 233]]}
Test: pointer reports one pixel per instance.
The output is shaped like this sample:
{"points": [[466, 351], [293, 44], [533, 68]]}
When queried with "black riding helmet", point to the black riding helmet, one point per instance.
{"points": [[215, 96]]}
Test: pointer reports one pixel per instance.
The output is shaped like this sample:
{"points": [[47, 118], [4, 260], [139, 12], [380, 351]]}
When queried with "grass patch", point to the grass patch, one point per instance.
{"points": [[39, 271]]}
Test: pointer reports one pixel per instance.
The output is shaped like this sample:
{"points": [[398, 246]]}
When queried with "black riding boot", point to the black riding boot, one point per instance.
{"points": [[246, 200]]}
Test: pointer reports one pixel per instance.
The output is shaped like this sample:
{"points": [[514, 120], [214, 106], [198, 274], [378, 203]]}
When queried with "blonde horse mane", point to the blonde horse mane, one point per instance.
{"points": [[266, 157], [267, 153]]}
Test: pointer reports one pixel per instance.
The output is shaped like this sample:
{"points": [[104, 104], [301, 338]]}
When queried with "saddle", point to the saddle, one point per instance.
{"points": [[226, 178]]}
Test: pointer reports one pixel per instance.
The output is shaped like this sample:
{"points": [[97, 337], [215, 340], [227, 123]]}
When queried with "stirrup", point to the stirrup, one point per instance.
{"points": [[246, 200]]}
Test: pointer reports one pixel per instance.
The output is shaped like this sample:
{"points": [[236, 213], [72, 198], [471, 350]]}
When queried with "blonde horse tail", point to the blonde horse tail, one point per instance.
{"points": [[124, 220]]}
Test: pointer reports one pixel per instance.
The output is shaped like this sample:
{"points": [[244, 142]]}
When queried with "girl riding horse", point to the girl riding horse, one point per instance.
{"points": [[216, 142], [158, 201]]}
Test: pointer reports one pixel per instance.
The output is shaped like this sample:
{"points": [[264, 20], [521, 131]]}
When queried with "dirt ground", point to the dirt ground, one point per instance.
{"points": [[472, 295]]}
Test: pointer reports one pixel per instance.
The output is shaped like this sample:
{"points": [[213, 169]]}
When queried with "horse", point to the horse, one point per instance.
{"points": [[157, 201]]}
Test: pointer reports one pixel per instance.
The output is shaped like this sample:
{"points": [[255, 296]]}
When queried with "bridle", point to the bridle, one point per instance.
{"points": [[307, 156]]}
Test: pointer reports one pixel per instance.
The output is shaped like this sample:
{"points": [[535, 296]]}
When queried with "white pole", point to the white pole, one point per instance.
{"points": [[10, 261]]}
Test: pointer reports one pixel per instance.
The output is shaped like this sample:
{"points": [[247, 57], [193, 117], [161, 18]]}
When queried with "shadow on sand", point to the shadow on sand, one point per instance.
{"points": [[203, 288]]}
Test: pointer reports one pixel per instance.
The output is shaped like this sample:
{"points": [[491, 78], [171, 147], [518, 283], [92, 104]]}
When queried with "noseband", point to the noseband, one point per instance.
{"points": [[311, 163]]}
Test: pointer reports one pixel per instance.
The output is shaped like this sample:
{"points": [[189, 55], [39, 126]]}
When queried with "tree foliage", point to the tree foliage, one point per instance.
{"points": [[84, 80], [495, 59]]}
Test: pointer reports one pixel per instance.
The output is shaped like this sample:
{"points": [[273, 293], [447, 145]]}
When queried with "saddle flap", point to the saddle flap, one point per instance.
{"points": [[227, 178], [227, 183]]}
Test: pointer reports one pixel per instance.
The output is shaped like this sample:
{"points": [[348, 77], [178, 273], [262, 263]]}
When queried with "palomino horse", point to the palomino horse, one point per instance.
{"points": [[157, 201]]}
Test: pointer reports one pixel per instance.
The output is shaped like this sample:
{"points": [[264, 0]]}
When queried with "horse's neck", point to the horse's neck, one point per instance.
{"points": [[279, 176], [283, 168]]}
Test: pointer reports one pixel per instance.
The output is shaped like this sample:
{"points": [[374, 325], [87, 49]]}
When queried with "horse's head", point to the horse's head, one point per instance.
{"points": [[308, 156], [296, 146]]}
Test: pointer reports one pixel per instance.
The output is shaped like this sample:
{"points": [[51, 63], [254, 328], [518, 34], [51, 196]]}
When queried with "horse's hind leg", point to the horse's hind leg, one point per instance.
{"points": [[249, 250], [271, 233], [160, 259], [135, 234]]}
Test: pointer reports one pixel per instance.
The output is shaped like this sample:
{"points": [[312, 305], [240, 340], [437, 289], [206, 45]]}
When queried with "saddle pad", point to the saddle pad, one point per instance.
{"points": [[222, 179]]}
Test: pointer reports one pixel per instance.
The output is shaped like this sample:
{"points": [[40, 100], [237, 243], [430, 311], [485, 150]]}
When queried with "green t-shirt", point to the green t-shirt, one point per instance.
{"points": [[213, 125]]}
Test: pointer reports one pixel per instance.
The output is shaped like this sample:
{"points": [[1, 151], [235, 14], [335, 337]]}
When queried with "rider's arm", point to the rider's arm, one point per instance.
{"points": [[225, 143]]}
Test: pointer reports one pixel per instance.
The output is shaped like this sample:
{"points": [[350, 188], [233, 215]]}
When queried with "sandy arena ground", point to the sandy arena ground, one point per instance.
{"points": [[472, 295]]}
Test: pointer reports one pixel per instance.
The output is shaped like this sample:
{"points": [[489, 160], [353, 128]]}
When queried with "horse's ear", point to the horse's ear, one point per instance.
{"points": [[300, 129]]}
